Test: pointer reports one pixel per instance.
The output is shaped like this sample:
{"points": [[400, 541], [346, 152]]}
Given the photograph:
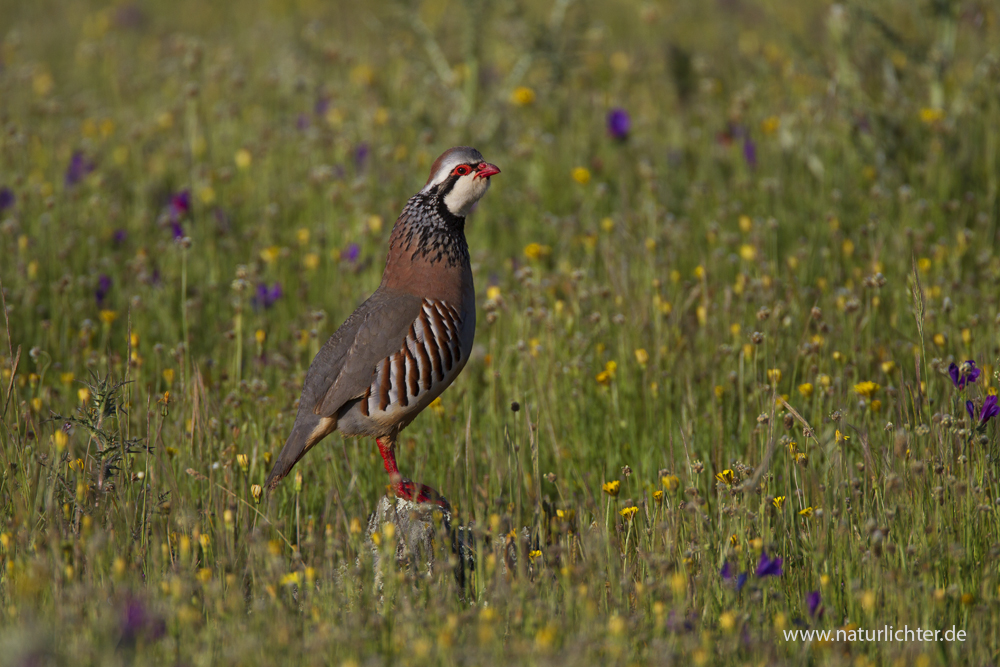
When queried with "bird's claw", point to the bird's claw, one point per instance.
{"points": [[418, 493]]}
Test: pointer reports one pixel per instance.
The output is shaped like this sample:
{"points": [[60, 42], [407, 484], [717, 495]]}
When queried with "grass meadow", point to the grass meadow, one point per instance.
{"points": [[736, 356]]}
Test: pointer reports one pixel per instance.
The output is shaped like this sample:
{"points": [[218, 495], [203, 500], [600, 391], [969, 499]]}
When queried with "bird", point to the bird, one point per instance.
{"points": [[410, 339]]}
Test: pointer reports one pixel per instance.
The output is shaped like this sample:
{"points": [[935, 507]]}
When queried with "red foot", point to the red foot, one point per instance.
{"points": [[405, 488], [418, 493]]}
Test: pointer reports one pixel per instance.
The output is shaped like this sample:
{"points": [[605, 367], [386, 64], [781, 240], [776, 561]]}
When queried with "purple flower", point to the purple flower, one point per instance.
{"points": [[769, 567], [138, 622], [321, 106], [619, 124], [6, 198], [989, 410], [749, 151], [130, 15], [103, 287], [267, 296], [180, 204], [728, 574], [302, 122], [119, 236], [361, 155], [967, 372], [814, 602], [79, 167], [350, 253], [178, 231]]}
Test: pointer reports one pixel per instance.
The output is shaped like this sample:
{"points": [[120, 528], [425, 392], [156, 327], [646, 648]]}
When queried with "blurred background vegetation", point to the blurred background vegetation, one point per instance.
{"points": [[734, 249]]}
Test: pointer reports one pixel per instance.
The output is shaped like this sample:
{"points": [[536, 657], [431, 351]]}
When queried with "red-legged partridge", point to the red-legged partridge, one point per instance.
{"points": [[403, 346]]}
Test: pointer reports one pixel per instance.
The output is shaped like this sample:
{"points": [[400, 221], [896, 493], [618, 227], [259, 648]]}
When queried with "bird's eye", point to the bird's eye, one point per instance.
{"points": [[462, 170]]}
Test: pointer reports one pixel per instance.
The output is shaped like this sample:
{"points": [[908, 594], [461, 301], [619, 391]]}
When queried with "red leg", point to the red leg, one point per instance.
{"points": [[403, 487], [388, 453]]}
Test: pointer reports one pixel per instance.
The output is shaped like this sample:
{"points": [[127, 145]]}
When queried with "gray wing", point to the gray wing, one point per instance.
{"points": [[351, 364], [343, 369]]}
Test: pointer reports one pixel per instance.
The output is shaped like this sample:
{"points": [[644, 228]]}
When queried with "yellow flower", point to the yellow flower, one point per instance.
{"points": [[437, 406], [168, 375], [522, 96], [536, 251], [581, 175], [612, 488], [658, 496], [734, 540], [605, 376], [745, 223], [42, 83], [778, 501], [940, 339], [930, 116], [924, 264], [629, 512], [825, 380], [256, 490], [807, 512], [642, 357], [607, 224], [243, 461], [260, 336], [840, 437], [535, 554], [774, 375], [60, 439], [242, 158], [83, 394], [748, 252], [362, 75], [806, 389], [270, 254], [108, 316], [311, 261], [165, 120], [671, 482], [493, 292], [726, 477], [888, 367], [876, 405], [866, 389], [770, 125], [292, 578]]}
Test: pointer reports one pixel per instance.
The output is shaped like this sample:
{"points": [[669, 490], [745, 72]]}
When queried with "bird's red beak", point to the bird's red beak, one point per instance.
{"points": [[485, 170]]}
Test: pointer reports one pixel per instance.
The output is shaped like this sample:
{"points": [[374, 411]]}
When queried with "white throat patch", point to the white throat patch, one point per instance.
{"points": [[465, 193]]}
